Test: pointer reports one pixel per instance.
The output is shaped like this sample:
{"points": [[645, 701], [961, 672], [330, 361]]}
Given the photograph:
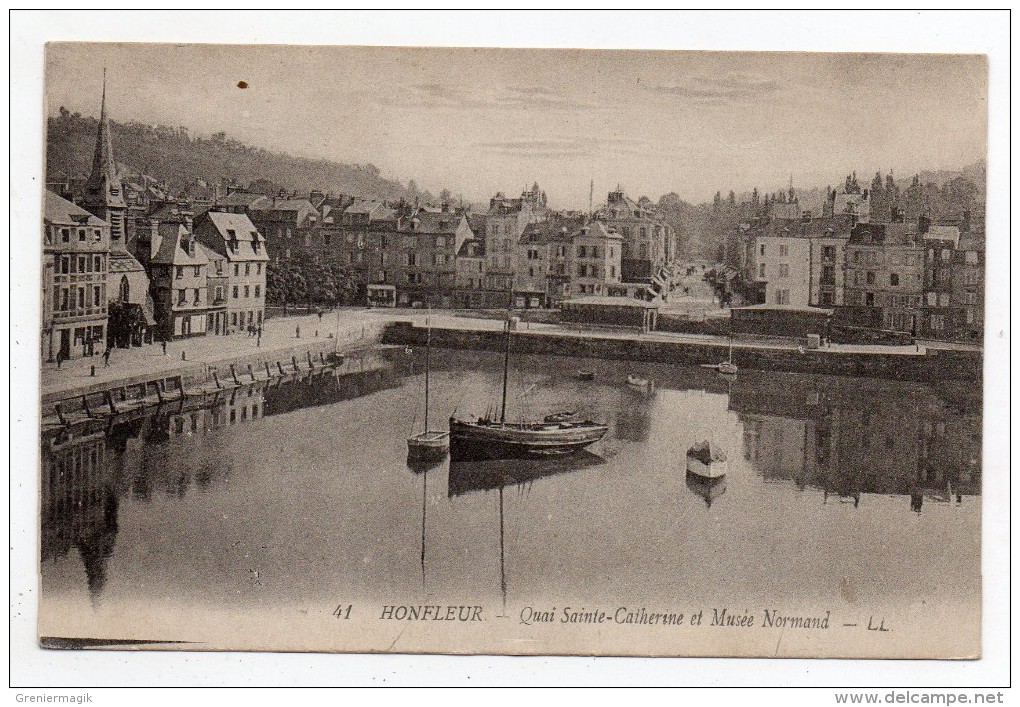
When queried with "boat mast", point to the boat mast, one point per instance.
{"points": [[506, 353], [428, 349]]}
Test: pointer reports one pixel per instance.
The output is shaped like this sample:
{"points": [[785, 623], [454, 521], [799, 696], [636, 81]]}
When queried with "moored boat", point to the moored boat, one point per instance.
{"points": [[585, 375], [490, 439], [706, 460], [637, 381], [487, 438], [428, 445]]}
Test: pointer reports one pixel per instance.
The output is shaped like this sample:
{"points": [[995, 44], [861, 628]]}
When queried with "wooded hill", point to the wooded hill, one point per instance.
{"points": [[175, 157]]}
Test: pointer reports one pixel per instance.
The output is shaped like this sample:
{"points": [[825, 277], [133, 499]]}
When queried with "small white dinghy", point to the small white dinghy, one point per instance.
{"points": [[706, 460]]}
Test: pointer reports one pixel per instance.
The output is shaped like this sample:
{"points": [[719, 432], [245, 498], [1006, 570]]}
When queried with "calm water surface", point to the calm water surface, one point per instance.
{"points": [[839, 490]]}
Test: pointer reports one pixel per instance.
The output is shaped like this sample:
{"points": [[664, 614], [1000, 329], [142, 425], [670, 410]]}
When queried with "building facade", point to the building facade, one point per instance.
{"points": [[76, 250], [179, 274], [649, 243], [884, 273], [235, 237]]}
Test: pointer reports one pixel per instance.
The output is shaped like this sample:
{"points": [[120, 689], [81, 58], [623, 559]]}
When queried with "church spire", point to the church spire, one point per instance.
{"points": [[103, 188]]}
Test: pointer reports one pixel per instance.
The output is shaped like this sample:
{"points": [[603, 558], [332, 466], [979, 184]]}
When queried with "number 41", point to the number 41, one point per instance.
{"points": [[341, 612]]}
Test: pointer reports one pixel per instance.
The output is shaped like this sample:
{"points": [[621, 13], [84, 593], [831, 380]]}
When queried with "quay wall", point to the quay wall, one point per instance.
{"points": [[196, 373], [934, 365]]}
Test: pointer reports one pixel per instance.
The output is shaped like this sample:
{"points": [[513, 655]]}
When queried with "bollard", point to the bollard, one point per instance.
{"points": [[268, 374], [216, 380], [251, 372], [280, 366], [293, 360], [109, 401], [322, 358], [93, 371], [85, 405], [310, 364], [159, 390], [316, 333], [233, 372], [184, 356]]}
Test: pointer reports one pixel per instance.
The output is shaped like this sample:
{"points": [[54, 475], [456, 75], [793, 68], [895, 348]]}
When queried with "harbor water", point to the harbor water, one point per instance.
{"points": [[289, 500]]}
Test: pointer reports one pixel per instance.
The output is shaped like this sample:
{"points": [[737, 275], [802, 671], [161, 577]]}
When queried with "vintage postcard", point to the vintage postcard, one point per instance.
{"points": [[512, 351]]}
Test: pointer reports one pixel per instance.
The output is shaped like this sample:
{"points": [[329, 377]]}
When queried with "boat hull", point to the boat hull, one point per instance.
{"points": [[713, 470], [478, 441], [428, 446]]}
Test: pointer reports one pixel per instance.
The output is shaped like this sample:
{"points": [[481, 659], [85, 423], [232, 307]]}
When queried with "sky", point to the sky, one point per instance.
{"points": [[478, 121]]}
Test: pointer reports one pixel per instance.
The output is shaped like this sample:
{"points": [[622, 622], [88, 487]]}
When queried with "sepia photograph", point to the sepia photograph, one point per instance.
{"points": [[511, 351]]}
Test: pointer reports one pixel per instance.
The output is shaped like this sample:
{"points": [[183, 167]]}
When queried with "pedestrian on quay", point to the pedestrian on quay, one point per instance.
{"points": [[164, 346], [60, 358], [297, 331], [106, 356]]}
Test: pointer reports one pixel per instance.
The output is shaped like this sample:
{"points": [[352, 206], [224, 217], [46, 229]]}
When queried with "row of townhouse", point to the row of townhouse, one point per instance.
{"points": [[401, 255], [127, 264], [922, 278]]}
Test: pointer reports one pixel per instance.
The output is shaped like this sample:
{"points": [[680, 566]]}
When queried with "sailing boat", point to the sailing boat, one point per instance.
{"points": [[428, 445], [488, 438]]}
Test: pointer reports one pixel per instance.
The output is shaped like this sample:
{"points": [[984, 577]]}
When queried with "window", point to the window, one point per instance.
{"points": [[65, 235], [235, 291], [97, 264], [258, 268], [237, 269], [581, 252], [970, 315], [782, 297], [65, 265], [827, 298], [937, 322], [258, 289], [594, 251], [180, 272], [83, 263], [247, 292], [869, 299], [219, 294], [124, 292], [761, 270], [233, 319], [198, 271], [784, 250], [971, 257], [582, 270], [181, 297], [643, 248], [761, 250], [81, 235], [198, 296], [930, 298], [612, 272], [784, 270], [943, 299], [828, 253], [412, 260], [945, 255], [894, 279], [247, 268], [856, 256], [970, 297], [97, 294], [219, 267], [869, 278]]}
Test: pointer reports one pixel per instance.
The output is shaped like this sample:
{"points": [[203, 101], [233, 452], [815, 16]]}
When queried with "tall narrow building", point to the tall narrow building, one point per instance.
{"points": [[131, 309]]}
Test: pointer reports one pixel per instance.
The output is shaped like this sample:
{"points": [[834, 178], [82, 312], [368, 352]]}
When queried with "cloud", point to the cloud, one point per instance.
{"points": [[437, 95], [718, 90], [564, 147]]}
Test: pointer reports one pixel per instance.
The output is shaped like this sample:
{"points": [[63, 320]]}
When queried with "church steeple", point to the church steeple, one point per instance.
{"points": [[104, 193]]}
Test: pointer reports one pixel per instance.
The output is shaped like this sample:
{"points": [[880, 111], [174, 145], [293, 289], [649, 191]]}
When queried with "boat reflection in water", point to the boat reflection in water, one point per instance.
{"points": [[466, 477], [707, 488]]}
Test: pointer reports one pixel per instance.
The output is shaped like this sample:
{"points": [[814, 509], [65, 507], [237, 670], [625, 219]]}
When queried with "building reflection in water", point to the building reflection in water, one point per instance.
{"points": [[79, 502], [850, 436], [87, 467]]}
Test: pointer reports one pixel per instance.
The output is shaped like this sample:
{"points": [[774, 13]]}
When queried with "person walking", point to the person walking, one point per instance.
{"points": [[106, 356], [164, 346]]}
